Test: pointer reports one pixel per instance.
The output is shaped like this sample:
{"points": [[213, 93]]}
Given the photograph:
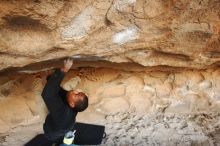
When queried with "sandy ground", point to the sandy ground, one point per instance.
{"points": [[136, 129]]}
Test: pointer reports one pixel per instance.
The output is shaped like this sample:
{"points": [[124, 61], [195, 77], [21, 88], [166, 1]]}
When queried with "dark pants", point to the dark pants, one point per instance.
{"points": [[41, 140]]}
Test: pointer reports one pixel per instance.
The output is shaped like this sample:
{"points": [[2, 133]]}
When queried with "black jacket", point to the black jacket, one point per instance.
{"points": [[61, 117]]}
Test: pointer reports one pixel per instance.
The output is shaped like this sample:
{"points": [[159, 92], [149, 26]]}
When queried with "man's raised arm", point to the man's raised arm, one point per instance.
{"points": [[50, 92]]}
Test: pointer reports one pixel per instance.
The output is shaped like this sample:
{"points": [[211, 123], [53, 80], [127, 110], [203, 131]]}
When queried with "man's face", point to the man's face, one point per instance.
{"points": [[73, 97]]}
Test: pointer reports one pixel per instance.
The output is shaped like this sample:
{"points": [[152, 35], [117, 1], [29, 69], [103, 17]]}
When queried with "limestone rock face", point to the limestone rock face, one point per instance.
{"points": [[150, 33], [112, 91]]}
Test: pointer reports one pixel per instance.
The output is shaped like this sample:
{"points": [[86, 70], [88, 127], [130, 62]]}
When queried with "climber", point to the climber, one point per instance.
{"points": [[63, 107]]}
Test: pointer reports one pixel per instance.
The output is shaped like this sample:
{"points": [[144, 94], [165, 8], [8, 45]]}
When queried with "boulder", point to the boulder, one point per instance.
{"points": [[113, 105]]}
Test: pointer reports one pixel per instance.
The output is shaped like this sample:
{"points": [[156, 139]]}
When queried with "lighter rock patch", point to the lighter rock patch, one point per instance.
{"points": [[35, 71], [80, 25], [120, 4], [130, 33]]}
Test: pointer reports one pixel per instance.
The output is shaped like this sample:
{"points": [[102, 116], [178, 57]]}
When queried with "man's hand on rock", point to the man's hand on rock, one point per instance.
{"points": [[67, 65]]}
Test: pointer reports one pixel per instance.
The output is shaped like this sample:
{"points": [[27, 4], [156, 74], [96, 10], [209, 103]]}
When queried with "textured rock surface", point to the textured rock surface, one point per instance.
{"points": [[150, 33], [158, 129], [111, 91], [142, 129]]}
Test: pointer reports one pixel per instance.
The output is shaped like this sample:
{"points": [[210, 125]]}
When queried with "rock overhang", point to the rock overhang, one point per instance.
{"points": [[150, 33]]}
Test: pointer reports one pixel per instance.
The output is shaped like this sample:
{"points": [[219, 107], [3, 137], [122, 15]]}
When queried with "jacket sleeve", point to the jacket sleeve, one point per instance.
{"points": [[50, 92], [62, 92]]}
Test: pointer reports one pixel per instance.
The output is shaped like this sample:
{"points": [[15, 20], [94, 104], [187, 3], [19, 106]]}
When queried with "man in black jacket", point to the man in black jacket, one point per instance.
{"points": [[63, 107]]}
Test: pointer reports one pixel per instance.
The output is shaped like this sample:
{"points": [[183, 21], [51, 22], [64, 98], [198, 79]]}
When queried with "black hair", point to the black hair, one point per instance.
{"points": [[82, 104]]}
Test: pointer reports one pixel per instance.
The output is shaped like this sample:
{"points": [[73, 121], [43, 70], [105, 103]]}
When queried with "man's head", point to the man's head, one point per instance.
{"points": [[77, 100]]}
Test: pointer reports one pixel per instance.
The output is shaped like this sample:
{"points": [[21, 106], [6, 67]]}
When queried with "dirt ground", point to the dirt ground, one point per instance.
{"points": [[156, 129]]}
